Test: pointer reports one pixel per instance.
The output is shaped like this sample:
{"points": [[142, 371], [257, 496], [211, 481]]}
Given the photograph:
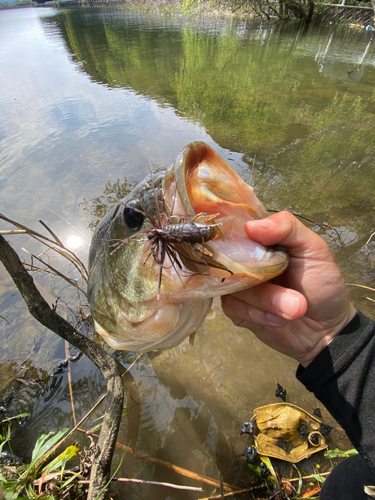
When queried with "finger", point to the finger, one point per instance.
{"points": [[247, 316], [285, 229], [275, 300]]}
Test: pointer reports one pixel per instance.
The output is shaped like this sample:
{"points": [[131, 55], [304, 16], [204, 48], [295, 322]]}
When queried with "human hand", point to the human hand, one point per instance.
{"points": [[301, 311]]}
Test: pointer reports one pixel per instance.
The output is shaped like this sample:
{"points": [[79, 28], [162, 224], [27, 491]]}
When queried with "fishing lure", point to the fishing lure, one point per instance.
{"points": [[200, 229], [181, 238]]}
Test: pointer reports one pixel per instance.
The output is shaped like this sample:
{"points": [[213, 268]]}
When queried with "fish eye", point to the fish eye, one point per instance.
{"points": [[133, 219]]}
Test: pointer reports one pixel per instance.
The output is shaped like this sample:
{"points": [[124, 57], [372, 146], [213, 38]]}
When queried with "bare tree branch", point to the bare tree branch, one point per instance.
{"points": [[39, 308]]}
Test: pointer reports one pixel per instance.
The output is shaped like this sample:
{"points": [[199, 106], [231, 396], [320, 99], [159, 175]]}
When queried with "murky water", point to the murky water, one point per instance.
{"points": [[89, 97]]}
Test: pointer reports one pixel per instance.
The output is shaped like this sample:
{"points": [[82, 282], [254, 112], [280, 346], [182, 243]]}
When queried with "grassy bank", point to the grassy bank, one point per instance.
{"points": [[184, 7], [282, 10]]}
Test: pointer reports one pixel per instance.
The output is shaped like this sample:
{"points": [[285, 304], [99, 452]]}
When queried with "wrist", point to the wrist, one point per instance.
{"points": [[305, 359]]}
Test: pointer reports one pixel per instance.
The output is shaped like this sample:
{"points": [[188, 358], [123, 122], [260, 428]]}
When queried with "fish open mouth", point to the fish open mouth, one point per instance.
{"points": [[148, 294], [202, 182]]}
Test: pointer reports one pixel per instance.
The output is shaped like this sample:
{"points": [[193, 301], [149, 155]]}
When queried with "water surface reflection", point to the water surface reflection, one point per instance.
{"points": [[88, 98]]}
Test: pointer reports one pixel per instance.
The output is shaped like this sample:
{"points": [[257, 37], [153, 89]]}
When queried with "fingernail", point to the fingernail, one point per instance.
{"points": [[276, 319], [263, 222], [289, 304]]}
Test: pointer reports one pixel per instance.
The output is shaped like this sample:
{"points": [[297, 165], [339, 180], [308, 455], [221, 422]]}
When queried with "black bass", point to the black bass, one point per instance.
{"points": [[175, 242]]}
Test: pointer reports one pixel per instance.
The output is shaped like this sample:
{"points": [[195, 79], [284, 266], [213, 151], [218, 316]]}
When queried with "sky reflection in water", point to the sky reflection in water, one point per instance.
{"points": [[92, 97]]}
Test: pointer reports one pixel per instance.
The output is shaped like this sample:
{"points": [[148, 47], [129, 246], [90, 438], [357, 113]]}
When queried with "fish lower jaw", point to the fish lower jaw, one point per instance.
{"points": [[217, 282], [245, 257], [164, 329]]}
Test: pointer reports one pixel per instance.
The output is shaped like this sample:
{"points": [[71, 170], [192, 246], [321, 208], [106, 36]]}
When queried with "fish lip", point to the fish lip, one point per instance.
{"points": [[273, 252]]}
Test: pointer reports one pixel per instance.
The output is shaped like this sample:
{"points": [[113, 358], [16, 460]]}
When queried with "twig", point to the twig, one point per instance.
{"points": [[67, 355], [252, 171], [54, 271], [154, 483], [25, 381], [231, 493], [60, 248], [167, 465], [27, 229], [52, 450], [361, 286], [368, 241], [76, 427], [7, 232], [218, 497], [89, 433], [57, 240], [310, 477], [39, 308]]}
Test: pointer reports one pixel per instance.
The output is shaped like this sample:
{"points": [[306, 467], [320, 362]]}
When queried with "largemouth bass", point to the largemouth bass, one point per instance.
{"points": [[143, 296]]}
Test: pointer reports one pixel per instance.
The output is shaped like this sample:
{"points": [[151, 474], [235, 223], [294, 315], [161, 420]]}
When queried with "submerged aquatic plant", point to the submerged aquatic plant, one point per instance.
{"points": [[6, 428]]}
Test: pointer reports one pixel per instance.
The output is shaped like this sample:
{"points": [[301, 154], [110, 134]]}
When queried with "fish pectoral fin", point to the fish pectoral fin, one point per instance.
{"points": [[191, 338]]}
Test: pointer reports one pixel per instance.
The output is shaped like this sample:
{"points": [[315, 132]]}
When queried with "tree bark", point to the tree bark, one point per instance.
{"points": [[47, 316], [310, 12], [296, 8]]}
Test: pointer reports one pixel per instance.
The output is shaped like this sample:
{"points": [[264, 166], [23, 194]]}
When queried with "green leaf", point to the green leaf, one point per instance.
{"points": [[97, 427], [60, 461], [336, 453], [113, 475], [268, 463], [68, 481], [319, 478], [44, 444], [12, 495], [298, 492], [94, 429], [256, 469], [16, 417], [1, 446]]}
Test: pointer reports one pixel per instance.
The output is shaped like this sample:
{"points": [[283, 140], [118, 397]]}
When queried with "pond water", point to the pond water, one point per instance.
{"points": [[90, 96]]}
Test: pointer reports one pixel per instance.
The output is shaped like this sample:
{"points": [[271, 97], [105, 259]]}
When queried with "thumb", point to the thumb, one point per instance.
{"points": [[285, 229]]}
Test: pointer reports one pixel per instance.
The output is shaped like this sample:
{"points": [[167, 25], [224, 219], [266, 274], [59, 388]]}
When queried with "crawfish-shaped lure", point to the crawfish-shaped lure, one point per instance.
{"points": [[182, 238], [183, 229]]}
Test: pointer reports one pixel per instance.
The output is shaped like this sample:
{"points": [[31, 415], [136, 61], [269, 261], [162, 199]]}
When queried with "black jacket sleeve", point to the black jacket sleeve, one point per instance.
{"points": [[342, 377]]}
